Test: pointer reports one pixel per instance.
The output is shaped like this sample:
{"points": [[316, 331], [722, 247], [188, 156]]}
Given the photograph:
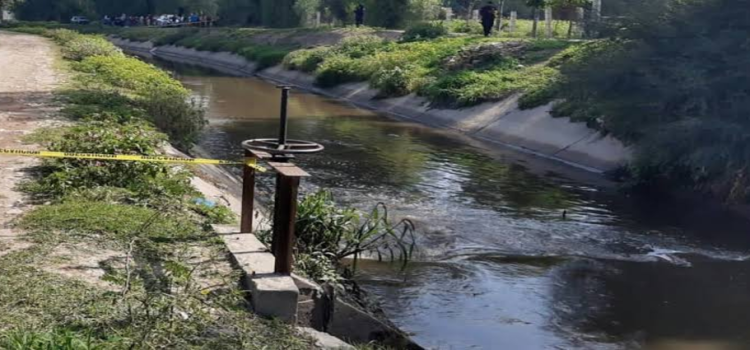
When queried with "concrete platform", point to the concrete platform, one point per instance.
{"points": [[271, 295]]}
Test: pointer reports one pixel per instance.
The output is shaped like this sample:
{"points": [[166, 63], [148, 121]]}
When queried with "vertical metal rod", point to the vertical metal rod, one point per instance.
{"points": [[248, 196], [284, 115], [284, 220]]}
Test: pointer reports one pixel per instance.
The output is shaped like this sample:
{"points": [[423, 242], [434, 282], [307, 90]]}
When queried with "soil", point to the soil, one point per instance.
{"points": [[27, 82]]}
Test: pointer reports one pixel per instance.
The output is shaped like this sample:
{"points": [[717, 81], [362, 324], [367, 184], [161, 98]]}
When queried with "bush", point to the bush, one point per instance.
{"points": [[360, 46], [339, 69], [87, 46], [326, 234], [129, 73], [461, 26], [162, 99], [264, 56], [471, 87], [182, 120], [76, 46], [102, 105], [62, 36], [307, 60], [397, 81], [424, 31], [146, 181]]}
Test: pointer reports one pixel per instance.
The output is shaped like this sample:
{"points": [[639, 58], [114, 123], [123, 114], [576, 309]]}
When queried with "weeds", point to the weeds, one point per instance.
{"points": [[326, 234], [166, 283]]}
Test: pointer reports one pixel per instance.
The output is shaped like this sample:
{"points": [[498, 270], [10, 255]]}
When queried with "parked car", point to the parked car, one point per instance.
{"points": [[166, 20], [79, 20]]}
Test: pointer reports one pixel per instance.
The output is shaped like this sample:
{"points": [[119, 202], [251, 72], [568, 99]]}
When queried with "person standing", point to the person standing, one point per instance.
{"points": [[488, 14], [359, 15]]}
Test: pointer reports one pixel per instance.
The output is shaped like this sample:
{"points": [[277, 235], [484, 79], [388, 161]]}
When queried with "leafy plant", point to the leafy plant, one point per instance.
{"points": [[325, 231], [424, 31]]}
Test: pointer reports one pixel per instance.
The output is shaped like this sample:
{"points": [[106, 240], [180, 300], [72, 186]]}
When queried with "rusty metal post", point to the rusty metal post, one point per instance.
{"points": [[248, 195], [285, 215]]}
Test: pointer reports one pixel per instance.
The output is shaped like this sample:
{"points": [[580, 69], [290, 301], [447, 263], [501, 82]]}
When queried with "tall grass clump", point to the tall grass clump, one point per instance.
{"points": [[327, 233], [424, 31]]}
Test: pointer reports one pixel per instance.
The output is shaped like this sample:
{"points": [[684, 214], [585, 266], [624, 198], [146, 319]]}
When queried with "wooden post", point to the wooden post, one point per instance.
{"points": [[548, 21], [596, 10], [317, 19], [448, 13], [499, 23], [248, 195], [285, 215], [513, 19]]}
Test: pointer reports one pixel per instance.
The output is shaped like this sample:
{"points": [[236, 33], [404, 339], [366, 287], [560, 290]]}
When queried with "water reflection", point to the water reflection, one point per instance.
{"points": [[501, 268]]}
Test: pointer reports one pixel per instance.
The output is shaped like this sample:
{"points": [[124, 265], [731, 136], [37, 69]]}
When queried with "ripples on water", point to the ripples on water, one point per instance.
{"points": [[500, 268]]}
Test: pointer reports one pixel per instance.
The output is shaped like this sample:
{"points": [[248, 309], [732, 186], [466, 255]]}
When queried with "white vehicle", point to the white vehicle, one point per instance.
{"points": [[166, 20], [79, 20]]}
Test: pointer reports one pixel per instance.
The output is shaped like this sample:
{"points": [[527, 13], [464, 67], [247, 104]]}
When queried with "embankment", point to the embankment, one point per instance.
{"points": [[533, 131]]}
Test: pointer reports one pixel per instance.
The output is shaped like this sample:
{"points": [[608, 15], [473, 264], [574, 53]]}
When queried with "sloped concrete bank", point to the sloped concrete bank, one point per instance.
{"points": [[532, 131]]}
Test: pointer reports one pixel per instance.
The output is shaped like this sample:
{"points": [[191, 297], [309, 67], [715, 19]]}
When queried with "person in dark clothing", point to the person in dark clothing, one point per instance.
{"points": [[359, 15], [488, 13]]}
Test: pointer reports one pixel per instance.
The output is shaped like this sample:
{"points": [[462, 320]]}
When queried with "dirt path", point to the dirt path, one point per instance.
{"points": [[27, 80]]}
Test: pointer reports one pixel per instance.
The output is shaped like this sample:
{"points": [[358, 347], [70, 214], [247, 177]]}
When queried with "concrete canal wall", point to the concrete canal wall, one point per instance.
{"points": [[532, 131]]}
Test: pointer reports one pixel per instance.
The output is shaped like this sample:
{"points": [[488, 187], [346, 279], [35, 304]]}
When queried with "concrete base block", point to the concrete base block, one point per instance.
{"points": [[274, 296], [271, 295], [325, 340]]}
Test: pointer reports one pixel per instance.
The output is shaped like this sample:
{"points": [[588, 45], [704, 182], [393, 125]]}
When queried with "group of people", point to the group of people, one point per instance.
{"points": [[124, 20]]}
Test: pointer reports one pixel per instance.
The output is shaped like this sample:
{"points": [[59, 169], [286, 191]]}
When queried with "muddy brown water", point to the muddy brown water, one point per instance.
{"points": [[498, 266]]}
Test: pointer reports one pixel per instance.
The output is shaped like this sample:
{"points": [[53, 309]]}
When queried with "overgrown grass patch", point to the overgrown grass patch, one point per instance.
{"points": [[109, 222]]}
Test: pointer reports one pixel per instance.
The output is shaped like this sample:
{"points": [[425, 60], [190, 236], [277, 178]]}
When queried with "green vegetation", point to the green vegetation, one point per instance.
{"points": [[326, 234], [670, 84], [424, 31], [126, 87], [166, 281], [449, 71], [423, 62]]}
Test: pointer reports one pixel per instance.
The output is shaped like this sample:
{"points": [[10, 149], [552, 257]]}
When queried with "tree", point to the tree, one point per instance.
{"points": [[424, 10], [467, 7], [305, 9], [6, 5], [340, 10], [535, 5], [570, 6], [673, 84]]}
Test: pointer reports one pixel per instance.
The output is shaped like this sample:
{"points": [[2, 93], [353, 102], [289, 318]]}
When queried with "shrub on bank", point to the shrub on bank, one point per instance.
{"points": [[164, 101], [424, 31], [83, 47], [76, 46], [307, 60]]}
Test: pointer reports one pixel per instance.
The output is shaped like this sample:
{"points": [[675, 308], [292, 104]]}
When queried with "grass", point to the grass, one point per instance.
{"points": [[524, 28], [415, 65], [397, 69], [166, 282]]}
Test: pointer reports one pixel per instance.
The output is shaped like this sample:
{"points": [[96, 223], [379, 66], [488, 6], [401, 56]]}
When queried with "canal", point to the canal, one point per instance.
{"points": [[498, 266]]}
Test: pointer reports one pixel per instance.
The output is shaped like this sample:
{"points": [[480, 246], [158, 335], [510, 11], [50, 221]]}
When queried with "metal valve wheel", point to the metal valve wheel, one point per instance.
{"points": [[275, 147]]}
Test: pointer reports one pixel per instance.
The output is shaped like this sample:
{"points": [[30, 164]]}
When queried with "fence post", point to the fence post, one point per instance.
{"points": [[285, 214], [548, 20], [513, 19], [596, 10], [248, 195]]}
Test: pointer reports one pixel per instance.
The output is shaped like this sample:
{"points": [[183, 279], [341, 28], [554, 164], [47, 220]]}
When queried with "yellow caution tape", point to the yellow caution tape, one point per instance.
{"points": [[253, 163]]}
